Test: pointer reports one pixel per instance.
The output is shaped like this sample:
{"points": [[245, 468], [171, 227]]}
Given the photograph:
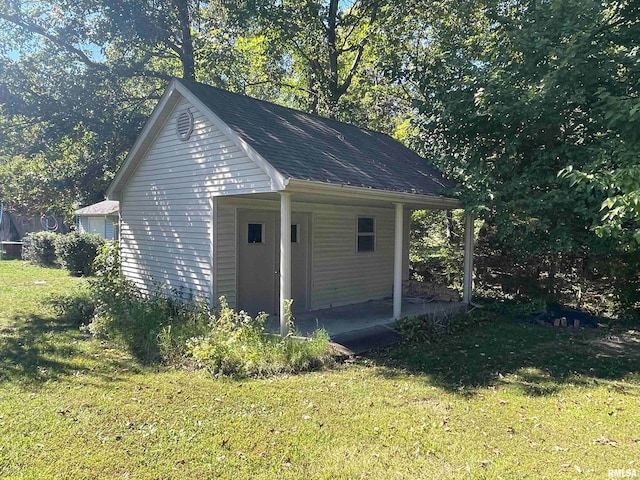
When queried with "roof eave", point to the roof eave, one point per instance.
{"points": [[294, 185]]}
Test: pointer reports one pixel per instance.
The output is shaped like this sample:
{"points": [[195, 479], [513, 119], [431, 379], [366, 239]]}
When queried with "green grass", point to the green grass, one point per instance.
{"points": [[500, 400]]}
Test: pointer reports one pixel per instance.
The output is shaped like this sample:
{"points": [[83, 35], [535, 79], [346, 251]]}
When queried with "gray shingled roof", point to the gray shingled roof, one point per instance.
{"points": [[107, 207], [309, 147]]}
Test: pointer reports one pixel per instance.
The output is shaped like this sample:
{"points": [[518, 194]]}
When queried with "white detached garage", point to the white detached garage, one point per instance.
{"points": [[223, 194]]}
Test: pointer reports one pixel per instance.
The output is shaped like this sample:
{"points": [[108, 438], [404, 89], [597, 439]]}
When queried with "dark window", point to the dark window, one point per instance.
{"points": [[294, 233], [254, 234], [365, 225], [366, 241]]}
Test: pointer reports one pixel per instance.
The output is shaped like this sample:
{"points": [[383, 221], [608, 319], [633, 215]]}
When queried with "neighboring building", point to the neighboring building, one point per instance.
{"points": [[13, 227], [100, 218], [228, 195]]}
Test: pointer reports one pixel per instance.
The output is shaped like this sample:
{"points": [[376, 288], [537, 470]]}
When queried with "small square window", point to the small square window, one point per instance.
{"points": [[254, 233], [366, 237], [294, 233]]}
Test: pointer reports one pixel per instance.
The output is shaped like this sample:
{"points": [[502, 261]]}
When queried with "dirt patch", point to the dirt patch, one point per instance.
{"points": [[619, 344]]}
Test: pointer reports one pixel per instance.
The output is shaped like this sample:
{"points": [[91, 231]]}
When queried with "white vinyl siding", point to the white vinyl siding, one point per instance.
{"points": [[339, 274], [225, 251], [110, 228], [83, 224], [165, 212], [96, 226]]}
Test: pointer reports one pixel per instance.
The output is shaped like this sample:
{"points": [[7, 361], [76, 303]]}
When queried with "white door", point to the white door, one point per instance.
{"points": [[96, 226]]}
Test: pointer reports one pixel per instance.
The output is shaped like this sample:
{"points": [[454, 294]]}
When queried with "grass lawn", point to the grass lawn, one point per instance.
{"points": [[500, 400]]}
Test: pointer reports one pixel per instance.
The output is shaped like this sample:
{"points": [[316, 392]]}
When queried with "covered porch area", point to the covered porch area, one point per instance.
{"points": [[358, 316]]}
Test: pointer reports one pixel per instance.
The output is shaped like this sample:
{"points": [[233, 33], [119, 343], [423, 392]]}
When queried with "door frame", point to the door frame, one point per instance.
{"points": [[308, 244]]}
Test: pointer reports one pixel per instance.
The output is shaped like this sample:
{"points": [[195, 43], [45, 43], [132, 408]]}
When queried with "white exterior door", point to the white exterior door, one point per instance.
{"points": [[96, 226]]}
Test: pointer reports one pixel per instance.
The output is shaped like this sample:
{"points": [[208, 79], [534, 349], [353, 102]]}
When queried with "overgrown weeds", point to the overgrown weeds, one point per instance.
{"points": [[177, 328], [76, 307], [236, 345], [431, 328]]}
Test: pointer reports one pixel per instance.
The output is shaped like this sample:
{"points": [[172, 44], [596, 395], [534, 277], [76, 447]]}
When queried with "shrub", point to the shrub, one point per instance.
{"points": [[38, 248], [152, 327], [419, 329], [77, 251], [125, 317], [106, 263], [77, 307], [431, 328], [237, 346], [177, 328]]}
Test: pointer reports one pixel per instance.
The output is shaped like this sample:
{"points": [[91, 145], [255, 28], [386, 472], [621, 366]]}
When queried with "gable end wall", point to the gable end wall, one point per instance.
{"points": [[165, 212]]}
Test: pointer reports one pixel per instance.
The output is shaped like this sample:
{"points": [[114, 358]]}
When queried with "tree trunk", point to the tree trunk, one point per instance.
{"points": [[332, 76], [186, 56], [451, 228], [553, 269]]}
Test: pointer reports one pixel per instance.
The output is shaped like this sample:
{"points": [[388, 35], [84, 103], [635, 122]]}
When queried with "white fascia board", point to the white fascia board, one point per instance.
{"points": [[277, 180], [143, 142], [347, 191]]}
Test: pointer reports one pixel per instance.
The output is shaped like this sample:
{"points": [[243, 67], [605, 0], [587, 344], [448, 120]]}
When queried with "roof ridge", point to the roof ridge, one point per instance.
{"points": [[308, 146], [186, 83]]}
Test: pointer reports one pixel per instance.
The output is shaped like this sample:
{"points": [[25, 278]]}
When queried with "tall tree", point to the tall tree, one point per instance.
{"points": [[322, 44], [511, 93], [86, 68], [614, 170]]}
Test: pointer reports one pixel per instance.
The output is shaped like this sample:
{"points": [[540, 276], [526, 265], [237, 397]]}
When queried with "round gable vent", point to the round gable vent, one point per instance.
{"points": [[184, 124]]}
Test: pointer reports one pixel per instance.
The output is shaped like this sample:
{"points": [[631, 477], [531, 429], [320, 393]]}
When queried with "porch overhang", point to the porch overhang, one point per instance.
{"points": [[310, 191], [346, 192]]}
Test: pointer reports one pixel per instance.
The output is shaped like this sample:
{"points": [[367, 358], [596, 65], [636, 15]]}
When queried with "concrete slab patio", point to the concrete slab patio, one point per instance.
{"points": [[366, 326]]}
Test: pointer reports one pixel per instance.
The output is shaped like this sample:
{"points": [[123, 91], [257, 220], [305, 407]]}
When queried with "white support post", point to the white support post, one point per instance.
{"points": [[397, 263], [285, 257], [468, 259], [213, 218]]}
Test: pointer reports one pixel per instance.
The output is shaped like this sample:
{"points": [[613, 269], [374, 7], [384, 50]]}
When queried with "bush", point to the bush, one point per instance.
{"points": [[77, 251], [177, 328], [432, 328], [154, 327], [77, 307], [237, 346], [38, 248]]}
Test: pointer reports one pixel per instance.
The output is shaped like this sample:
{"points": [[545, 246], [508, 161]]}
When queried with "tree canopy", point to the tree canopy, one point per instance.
{"points": [[532, 105]]}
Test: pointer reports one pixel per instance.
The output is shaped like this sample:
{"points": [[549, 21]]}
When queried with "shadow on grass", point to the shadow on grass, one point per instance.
{"points": [[35, 349], [538, 360]]}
